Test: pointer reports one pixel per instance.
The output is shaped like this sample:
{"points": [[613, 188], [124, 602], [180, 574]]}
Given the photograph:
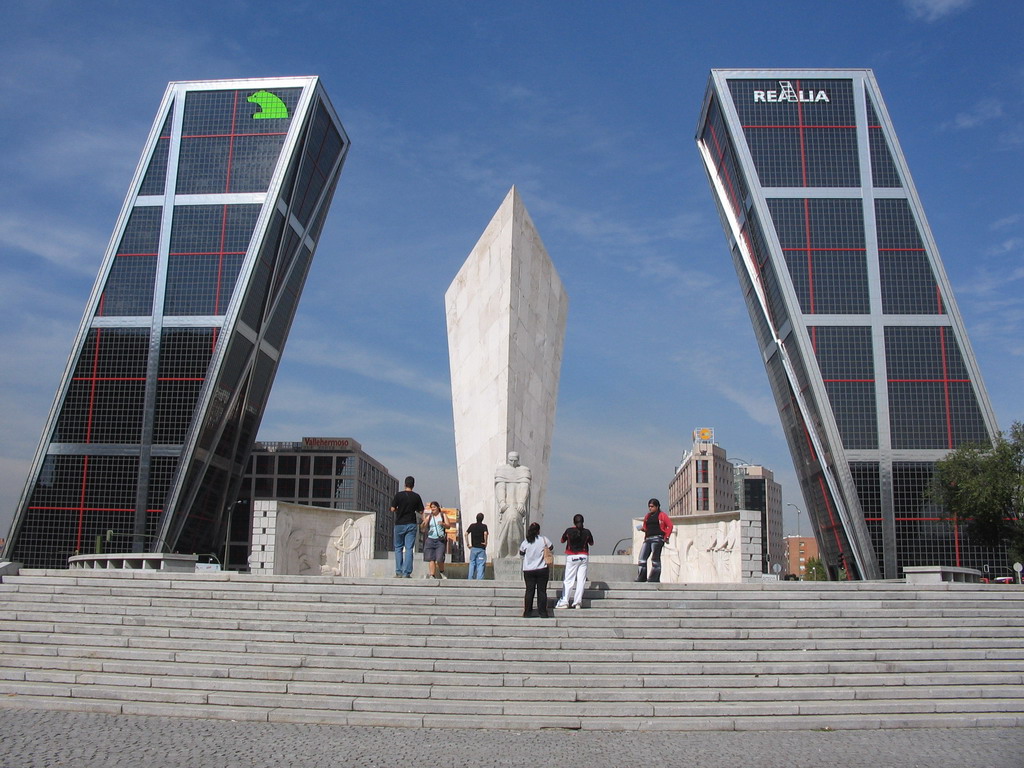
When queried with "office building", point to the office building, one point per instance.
{"points": [[756, 488], [332, 472], [865, 349], [703, 482], [169, 375]]}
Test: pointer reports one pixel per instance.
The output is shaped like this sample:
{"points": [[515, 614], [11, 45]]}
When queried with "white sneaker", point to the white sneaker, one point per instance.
{"points": [[440, 575], [561, 605]]}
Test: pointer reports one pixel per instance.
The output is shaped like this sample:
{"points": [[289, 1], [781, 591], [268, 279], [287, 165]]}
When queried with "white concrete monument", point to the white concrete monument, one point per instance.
{"points": [[298, 540], [718, 548], [506, 312]]}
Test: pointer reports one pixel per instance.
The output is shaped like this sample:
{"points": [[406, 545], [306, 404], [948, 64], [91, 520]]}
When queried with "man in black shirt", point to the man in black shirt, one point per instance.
{"points": [[407, 506], [476, 537]]}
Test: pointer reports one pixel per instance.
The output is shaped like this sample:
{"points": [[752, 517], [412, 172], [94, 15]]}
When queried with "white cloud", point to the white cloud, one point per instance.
{"points": [[1006, 221], [982, 112], [406, 440], [1013, 137], [74, 155], [372, 364], [53, 238], [1007, 246], [933, 10]]}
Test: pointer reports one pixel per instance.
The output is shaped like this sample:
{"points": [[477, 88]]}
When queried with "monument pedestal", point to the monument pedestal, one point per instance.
{"points": [[508, 568]]}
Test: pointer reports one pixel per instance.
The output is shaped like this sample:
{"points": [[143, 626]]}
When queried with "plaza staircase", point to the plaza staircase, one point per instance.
{"points": [[422, 653]]}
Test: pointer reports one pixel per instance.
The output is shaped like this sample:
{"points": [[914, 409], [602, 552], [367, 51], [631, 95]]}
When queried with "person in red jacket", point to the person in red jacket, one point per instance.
{"points": [[657, 529]]}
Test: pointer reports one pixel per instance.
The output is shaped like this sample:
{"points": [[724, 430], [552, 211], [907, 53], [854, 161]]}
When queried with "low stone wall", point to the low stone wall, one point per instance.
{"points": [[934, 574], [140, 561], [720, 548]]}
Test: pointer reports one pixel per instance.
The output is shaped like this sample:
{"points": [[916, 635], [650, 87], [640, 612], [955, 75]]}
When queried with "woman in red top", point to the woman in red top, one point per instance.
{"points": [[657, 528]]}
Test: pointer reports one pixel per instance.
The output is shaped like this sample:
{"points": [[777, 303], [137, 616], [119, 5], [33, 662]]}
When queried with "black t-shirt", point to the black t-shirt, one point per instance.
{"points": [[408, 505], [577, 540], [476, 534]]}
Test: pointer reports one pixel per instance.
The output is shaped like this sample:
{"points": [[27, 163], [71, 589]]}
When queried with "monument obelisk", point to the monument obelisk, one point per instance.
{"points": [[506, 313]]}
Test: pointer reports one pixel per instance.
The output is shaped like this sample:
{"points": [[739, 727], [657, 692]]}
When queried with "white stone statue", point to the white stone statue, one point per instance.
{"points": [[342, 556], [512, 498]]}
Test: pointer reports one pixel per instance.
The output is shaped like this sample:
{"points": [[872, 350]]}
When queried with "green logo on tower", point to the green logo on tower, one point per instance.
{"points": [[271, 107]]}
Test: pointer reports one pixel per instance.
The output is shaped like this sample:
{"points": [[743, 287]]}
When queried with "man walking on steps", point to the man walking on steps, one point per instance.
{"points": [[657, 528]]}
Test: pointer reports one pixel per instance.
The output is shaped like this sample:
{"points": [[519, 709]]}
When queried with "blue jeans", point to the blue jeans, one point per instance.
{"points": [[405, 548], [477, 562]]}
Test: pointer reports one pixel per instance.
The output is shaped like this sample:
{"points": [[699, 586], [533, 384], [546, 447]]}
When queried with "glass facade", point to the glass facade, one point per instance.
{"points": [[152, 425], [865, 350]]}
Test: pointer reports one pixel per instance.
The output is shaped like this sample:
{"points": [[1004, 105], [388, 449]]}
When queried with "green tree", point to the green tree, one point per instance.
{"points": [[814, 570], [982, 487]]}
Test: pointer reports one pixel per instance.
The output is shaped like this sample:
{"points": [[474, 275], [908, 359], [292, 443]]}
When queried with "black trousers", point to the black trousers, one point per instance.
{"points": [[536, 581]]}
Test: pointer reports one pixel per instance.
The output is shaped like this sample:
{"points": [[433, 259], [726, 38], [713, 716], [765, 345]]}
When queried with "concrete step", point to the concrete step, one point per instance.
{"points": [[405, 652], [376, 709], [283, 627]]}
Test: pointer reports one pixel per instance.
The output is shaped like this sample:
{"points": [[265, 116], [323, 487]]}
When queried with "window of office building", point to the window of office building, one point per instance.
{"points": [[883, 168], [823, 242], [801, 133], [907, 281], [932, 403], [703, 499], [846, 363]]}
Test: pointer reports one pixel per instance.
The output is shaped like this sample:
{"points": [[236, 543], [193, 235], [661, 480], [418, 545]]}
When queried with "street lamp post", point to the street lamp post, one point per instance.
{"points": [[798, 511]]}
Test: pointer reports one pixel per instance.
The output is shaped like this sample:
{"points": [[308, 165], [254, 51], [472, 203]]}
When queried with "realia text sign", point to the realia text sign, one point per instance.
{"points": [[787, 93]]}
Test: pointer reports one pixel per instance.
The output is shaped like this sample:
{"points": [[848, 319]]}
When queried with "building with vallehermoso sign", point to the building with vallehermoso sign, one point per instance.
{"points": [[865, 348], [153, 421]]}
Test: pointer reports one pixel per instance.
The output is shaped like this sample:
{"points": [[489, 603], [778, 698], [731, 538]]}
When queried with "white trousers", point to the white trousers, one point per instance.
{"points": [[575, 580]]}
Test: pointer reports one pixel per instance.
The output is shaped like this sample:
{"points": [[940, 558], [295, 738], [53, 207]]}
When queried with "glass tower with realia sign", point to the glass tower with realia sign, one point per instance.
{"points": [[865, 349], [151, 427]]}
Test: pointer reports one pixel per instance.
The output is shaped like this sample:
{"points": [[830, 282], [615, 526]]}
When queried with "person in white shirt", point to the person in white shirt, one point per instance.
{"points": [[536, 571]]}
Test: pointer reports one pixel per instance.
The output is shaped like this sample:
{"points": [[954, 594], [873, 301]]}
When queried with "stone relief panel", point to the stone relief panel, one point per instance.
{"points": [[314, 541], [703, 549]]}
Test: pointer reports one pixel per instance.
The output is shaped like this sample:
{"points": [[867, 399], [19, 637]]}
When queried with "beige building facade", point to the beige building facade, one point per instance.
{"points": [[703, 482]]}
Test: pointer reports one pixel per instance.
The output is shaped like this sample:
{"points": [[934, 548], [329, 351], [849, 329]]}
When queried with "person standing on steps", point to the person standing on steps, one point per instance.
{"points": [[476, 540], [406, 506], [536, 551], [577, 540], [435, 541], [657, 528]]}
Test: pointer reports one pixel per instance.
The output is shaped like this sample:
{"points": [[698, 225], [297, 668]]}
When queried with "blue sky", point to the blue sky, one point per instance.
{"points": [[590, 109]]}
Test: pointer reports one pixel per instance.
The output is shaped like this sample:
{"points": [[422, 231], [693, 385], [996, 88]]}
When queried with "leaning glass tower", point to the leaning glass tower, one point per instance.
{"points": [[864, 346], [153, 421]]}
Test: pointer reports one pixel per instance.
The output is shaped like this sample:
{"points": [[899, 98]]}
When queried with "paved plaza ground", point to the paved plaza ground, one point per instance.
{"points": [[79, 740]]}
